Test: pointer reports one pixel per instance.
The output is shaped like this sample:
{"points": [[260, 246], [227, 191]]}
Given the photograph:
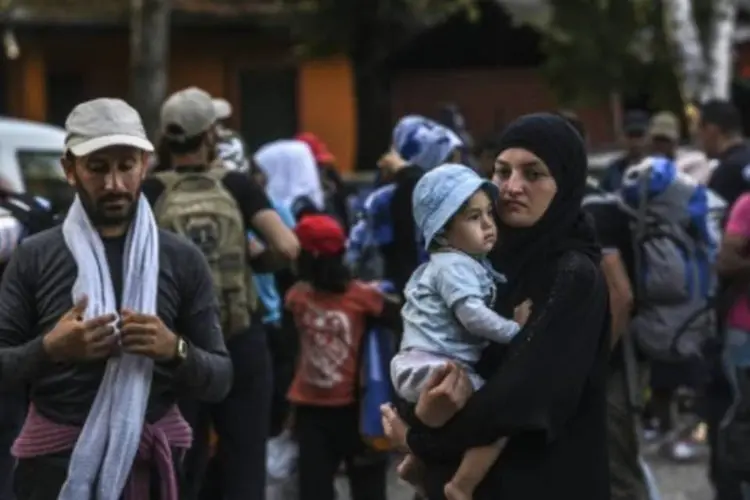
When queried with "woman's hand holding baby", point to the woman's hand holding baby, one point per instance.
{"points": [[394, 427], [445, 393], [522, 312]]}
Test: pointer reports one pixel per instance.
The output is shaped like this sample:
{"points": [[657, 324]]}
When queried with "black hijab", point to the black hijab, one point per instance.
{"points": [[524, 252]]}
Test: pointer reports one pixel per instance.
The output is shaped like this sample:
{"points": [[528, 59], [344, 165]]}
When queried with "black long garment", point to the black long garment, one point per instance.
{"points": [[546, 391]]}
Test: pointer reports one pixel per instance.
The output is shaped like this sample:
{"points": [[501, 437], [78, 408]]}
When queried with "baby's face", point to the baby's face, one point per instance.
{"points": [[473, 229]]}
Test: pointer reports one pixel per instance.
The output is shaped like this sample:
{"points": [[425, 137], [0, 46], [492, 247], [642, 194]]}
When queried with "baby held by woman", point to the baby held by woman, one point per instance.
{"points": [[448, 314]]}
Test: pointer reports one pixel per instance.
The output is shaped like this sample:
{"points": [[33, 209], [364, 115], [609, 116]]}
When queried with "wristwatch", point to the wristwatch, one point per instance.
{"points": [[182, 349]]}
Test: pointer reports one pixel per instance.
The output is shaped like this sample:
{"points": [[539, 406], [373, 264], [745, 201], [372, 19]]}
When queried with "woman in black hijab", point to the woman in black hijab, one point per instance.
{"points": [[546, 391]]}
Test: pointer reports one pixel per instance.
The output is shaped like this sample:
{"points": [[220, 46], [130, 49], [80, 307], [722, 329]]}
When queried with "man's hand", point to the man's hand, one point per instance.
{"points": [[147, 335], [390, 163], [73, 339], [445, 393]]}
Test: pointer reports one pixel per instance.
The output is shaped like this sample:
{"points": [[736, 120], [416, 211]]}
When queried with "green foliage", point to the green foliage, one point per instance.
{"points": [[325, 26], [596, 47], [590, 47]]}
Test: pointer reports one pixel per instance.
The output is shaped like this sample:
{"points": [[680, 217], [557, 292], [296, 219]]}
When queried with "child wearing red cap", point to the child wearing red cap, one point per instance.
{"points": [[330, 311]]}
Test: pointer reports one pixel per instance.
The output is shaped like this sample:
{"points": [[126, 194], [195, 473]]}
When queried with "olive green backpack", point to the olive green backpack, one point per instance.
{"points": [[199, 207]]}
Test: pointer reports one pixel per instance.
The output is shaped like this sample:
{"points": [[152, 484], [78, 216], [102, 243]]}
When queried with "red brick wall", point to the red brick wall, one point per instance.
{"points": [[490, 98]]}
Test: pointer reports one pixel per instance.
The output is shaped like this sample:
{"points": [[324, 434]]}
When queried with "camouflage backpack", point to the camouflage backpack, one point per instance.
{"points": [[198, 206]]}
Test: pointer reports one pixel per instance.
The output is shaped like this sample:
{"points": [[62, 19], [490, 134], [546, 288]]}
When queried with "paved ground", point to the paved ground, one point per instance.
{"points": [[676, 482], [686, 481], [681, 482]]}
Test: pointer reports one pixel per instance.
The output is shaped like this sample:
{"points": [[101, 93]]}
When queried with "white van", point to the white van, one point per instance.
{"points": [[30, 163], [30, 160]]}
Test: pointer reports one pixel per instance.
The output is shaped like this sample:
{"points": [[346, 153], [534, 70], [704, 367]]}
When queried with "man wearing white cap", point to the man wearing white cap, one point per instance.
{"points": [[108, 320], [216, 207]]}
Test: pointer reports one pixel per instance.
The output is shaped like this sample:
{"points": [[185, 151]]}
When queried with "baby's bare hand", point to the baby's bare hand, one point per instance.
{"points": [[522, 312]]}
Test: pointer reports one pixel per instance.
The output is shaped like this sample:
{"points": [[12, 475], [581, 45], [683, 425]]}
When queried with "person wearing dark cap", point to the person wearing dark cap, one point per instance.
{"points": [[546, 391], [330, 311], [215, 208], [664, 134], [634, 127]]}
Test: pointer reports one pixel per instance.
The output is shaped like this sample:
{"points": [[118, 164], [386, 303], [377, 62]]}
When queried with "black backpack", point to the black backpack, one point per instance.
{"points": [[35, 214]]}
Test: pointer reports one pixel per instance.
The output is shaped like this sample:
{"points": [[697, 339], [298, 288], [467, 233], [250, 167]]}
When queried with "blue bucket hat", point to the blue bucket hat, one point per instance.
{"points": [[441, 192]]}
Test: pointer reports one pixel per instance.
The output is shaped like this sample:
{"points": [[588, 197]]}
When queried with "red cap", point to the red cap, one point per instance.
{"points": [[321, 235], [319, 149]]}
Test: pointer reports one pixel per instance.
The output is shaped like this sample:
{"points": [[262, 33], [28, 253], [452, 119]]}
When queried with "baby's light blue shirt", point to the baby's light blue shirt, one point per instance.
{"points": [[435, 288]]}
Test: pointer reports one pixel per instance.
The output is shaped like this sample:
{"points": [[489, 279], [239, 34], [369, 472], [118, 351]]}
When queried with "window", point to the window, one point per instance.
{"points": [[43, 176]]}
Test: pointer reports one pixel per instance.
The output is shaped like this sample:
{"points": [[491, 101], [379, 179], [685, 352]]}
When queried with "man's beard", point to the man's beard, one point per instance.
{"points": [[98, 214]]}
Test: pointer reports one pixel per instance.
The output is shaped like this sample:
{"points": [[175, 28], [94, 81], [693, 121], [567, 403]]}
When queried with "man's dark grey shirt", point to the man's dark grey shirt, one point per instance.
{"points": [[36, 291]]}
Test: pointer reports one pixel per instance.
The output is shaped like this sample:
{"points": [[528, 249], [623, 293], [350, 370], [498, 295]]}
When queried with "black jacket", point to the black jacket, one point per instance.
{"points": [[36, 292]]}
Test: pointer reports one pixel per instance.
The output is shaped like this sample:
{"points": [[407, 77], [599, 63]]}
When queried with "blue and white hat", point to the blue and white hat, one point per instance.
{"points": [[424, 142], [441, 193]]}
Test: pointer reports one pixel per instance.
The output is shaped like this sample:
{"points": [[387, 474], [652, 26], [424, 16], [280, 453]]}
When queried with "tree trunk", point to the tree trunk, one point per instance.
{"points": [[149, 59], [719, 52], [685, 39], [371, 83]]}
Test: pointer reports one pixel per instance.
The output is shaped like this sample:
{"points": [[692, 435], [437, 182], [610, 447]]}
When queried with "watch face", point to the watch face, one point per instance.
{"points": [[182, 348]]}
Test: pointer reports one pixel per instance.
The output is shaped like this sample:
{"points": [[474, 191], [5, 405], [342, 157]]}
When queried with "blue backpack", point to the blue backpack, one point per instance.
{"points": [[378, 347], [372, 231], [675, 223]]}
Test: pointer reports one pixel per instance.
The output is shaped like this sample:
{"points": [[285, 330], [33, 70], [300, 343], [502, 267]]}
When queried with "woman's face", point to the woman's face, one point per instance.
{"points": [[526, 187]]}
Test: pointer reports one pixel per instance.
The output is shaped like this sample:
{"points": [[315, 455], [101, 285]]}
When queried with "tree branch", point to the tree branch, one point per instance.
{"points": [[683, 33], [719, 50]]}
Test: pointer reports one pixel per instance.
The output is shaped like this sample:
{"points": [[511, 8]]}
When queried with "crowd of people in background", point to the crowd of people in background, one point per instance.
{"points": [[209, 322], [692, 401]]}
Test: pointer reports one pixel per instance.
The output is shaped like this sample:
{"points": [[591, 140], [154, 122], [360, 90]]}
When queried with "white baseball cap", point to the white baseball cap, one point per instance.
{"points": [[102, 123], [222, 108], [187, 114]]}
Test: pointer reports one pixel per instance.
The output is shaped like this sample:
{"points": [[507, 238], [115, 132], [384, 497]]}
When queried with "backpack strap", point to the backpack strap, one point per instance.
{"points": [[641, 212], [171, 179], [217, 171], [168, 178], [630, 359]]}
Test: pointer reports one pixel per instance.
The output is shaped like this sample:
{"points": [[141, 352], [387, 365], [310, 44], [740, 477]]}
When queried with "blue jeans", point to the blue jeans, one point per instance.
{"points": [[736, 360]]}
